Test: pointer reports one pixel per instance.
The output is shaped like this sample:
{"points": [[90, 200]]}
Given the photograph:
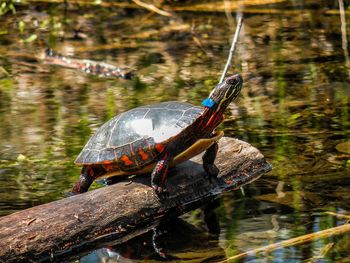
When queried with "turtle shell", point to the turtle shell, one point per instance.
{"points": [[138, 130]]}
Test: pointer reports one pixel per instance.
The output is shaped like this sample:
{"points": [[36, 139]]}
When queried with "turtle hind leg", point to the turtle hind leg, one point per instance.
{"points": [[208, 161], [87, 176], [159, 174]]}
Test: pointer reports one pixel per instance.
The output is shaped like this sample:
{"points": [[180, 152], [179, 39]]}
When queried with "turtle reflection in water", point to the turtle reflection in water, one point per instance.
{"points": [[153, 138]]}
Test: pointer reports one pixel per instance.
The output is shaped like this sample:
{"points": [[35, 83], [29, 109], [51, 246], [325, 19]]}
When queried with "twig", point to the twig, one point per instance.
{"points": [[3, 72], [197, 41], [293, 241], [343, 34], [347, 217], [233, 47], [152, 8], [322, 254], [228, 13]]}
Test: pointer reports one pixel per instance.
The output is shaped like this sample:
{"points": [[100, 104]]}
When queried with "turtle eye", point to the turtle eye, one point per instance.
{"points": [[231, 81], [234, 80]]}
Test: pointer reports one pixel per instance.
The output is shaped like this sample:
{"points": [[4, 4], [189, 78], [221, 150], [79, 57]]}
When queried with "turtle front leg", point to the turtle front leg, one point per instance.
{"points": [[208, 161], [159, 174]]}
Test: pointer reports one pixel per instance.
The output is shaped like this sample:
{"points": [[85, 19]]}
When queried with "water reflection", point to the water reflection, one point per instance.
{"points": [[173, 241], [294, 107]]}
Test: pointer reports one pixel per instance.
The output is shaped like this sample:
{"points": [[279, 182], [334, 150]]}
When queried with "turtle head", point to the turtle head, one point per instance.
{"points": [[219, 98], [224, 92]]}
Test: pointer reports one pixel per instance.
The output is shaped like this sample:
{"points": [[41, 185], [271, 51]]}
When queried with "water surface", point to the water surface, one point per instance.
{"points": [[294, 107]]}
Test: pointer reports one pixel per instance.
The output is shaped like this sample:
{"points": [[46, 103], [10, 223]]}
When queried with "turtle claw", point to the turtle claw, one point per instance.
{"points": [[161, 192]]}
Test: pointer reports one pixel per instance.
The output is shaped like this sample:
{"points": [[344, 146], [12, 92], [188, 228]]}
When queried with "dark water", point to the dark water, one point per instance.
{"points": [[294, 107]]}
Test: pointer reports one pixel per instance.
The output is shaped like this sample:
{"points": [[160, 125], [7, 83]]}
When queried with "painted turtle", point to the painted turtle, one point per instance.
{"points": [[155, 137]]}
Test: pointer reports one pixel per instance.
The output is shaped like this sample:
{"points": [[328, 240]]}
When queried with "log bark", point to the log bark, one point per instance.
{"points": [[63, 229]]}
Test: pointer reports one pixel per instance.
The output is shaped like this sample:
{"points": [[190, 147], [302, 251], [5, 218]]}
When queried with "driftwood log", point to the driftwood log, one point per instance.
{"points": [[63, 229]]}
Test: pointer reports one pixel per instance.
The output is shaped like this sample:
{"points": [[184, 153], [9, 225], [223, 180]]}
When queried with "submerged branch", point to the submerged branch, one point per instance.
{"points": [[213, 7], [334, 231], [347, 217], [152, 8], [88, 66]]}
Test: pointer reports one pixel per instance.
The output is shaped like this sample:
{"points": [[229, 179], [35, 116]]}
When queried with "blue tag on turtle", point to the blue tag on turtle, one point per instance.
{"points": [[208, 102]]}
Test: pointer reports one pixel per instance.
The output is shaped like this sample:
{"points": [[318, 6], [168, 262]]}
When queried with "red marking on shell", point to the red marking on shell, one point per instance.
{"points": [[126, 160], [144, 156], [160, 147]]}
